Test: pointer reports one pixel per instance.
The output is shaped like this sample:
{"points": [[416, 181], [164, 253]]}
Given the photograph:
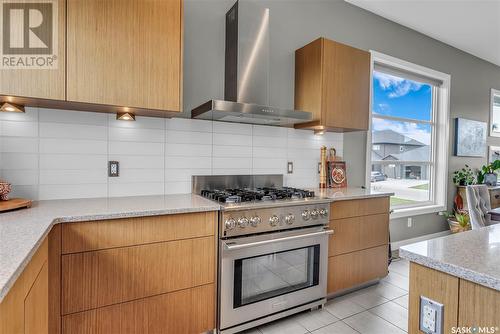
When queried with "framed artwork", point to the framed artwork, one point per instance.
{"points": [[470, 138], [494, 153], [495, 113]]}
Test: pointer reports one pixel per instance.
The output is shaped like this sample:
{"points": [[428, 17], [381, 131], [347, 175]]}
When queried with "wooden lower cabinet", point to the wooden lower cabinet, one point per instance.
{"points": [[466, 304], [358, 249], [482, 306], [438, 286], [105, 277], [181, 312], [25, 308], [349, 270]]}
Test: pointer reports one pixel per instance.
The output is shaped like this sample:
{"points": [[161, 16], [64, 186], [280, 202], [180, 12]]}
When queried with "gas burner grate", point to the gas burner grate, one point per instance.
{"points": [[259, 194]]}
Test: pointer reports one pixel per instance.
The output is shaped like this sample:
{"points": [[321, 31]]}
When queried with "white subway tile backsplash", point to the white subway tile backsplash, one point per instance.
{"points": [[19, 161], [18, 129], [19, 145], [232, 139], [230, 163], [188, 150], [19, 177], [187, 137], [232, 151], [73, 131], [63, 191], [73, 176], [178, 187], [138, 161], [53, 154], [72, 146], [184, 174], [136, 189], [136, 148], [234, 128], [188, 162], [72, 161], [73, 117], [138, 175], [137, 134], [190, 125]]}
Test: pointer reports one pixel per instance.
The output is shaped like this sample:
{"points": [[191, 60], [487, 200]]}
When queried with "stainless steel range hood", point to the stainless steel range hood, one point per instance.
{"points": [[246, 80]]}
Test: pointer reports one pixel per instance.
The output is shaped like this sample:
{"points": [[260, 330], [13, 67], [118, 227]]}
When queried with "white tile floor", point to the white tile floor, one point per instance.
{"points": [[378, 309]]}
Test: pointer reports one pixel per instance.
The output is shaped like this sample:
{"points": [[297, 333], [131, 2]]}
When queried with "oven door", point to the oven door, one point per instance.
{"points": [[266, 274]]}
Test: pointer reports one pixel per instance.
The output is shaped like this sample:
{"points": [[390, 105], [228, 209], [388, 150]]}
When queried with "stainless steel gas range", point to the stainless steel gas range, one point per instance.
{"points": [[273, 248]]}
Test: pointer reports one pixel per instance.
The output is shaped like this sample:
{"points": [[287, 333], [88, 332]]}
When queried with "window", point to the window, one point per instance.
{"points": [[409, 135]]}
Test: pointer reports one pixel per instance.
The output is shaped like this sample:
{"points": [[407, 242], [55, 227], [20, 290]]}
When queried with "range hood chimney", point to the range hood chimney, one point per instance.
{"points": [[246, 77]]}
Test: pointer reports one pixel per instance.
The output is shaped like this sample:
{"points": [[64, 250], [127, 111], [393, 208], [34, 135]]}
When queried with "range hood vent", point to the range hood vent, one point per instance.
{"points": [[246, 77]]}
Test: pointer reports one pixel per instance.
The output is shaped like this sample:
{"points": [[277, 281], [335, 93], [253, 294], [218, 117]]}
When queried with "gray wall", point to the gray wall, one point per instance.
{"points": [[294, 24]]}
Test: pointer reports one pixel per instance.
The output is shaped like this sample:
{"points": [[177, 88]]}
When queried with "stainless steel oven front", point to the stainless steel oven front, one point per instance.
{"points": [[267, 274]]}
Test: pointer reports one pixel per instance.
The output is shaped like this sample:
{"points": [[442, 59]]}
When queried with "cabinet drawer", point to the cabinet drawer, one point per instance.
{"points": [[359, 207], [87, 236], [356, 233], [181, 312], [349, 270], [105, 277]]}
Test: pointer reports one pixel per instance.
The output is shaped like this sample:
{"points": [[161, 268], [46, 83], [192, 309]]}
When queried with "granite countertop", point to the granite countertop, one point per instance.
{"points": [[340, 194], [23, 231], [472, 255]]}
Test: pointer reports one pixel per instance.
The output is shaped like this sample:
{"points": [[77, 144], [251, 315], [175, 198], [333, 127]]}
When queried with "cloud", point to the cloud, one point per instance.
{"points": [[419, 132], [396, 86]]}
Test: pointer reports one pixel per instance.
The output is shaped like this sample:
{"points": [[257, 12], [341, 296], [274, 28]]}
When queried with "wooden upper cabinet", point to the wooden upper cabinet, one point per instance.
{"points": [[125, 53], [332, 80], [46, 83]]}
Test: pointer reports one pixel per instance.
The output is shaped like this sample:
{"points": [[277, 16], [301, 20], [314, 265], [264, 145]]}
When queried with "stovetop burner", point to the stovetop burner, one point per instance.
{"points": [[258, 194]]}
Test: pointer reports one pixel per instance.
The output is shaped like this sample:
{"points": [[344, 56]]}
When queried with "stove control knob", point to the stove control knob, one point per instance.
{"points": [[254, 221], [243, 222], [290, 219], [274, 220], [230, 224], [306, 214], [323, 213], [314, 214]]}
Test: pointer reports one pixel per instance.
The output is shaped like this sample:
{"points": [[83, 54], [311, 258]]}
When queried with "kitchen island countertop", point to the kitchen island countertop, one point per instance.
{"points": [[472, 255]]}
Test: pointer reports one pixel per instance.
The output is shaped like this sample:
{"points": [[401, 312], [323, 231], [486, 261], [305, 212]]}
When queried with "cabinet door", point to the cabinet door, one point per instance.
{"points": [[36, 315], [182, 312], [346, 86], [41, 83], [125, 53], [349, 270]]}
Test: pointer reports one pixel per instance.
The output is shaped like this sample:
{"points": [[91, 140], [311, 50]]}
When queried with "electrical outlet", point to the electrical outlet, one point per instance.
{"points": [[431, 316], [290, 167], [410, 221], [113, 168]]}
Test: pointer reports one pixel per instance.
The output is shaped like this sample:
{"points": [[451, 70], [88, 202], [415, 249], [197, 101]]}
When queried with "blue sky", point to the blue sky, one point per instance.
{"points": [[398, 97]]}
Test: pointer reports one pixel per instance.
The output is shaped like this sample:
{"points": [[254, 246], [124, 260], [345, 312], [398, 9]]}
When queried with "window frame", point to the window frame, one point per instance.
{"points": [[438, 182]]}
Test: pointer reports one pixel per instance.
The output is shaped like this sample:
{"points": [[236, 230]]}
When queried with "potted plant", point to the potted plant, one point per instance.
{"points": [[458, 220], [487, 173], [464, 176]]}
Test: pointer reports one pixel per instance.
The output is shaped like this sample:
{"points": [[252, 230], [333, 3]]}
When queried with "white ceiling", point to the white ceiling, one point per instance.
{"points": [[469, 25]]}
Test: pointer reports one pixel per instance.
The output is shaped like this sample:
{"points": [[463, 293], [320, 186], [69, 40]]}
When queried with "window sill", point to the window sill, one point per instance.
{"points": [[416, 211]]}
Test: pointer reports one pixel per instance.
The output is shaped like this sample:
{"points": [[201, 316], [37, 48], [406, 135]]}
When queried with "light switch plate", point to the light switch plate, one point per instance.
{"points": [[431, 316], [290, 167]]}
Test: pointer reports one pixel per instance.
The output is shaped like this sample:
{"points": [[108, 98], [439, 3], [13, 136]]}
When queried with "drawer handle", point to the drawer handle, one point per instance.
{"points": [[497, 196]]}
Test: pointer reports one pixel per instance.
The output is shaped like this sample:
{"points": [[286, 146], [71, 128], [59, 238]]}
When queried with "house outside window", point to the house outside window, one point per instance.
{"points": [[409, 135]]}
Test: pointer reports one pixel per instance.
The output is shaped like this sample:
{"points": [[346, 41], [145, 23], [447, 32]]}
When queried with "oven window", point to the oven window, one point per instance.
{"points": [[271, 275]]}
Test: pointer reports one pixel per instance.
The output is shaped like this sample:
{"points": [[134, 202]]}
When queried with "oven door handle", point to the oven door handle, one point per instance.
{"points": [[234, 246]]}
